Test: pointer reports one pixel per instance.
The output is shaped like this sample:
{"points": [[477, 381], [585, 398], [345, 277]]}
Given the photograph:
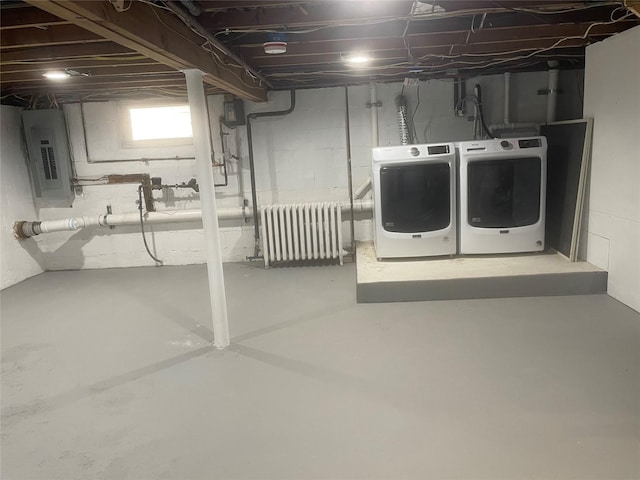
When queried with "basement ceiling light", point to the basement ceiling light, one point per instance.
{"points": [[356, 58], [61, 74], [56, 74]]}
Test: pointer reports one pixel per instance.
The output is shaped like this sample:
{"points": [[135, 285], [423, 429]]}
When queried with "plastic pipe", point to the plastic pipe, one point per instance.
{"points": [[552, 96], [362, 188], [507, 97], [202, 148], [507, 125], [373, 106], [27, 229]]}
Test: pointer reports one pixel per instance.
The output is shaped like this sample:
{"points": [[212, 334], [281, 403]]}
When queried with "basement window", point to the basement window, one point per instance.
{"points": [[156, 125]]}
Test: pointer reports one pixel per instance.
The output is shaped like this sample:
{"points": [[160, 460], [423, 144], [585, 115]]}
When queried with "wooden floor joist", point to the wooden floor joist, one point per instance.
{"points": [[158, 35]]}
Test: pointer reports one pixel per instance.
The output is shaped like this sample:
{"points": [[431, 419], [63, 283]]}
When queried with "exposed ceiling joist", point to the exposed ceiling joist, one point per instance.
{"points": [[634, 6], [143, 43], [156, 69], [52, 35], [157, 35], [62, 52], [28, 17]]}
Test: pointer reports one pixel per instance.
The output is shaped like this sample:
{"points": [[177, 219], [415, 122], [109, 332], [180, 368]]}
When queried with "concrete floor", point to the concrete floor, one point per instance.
{"points": [[110, 375]]}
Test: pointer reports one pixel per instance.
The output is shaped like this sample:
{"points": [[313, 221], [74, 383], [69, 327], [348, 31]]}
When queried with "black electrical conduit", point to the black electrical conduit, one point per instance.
{"points": [[481, 112], [252, 170], [347, 131]]}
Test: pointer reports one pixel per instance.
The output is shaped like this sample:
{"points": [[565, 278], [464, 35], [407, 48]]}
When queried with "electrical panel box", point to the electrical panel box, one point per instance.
{"points": [[49, 158], [234, 113]]}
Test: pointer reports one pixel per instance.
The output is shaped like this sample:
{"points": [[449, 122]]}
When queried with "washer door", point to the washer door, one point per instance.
{"points": [[415, 198], [504, 193]]}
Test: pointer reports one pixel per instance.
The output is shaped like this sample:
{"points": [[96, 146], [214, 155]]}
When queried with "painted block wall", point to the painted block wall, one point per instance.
{"points": [[298, 157], [18, 260], [175, 244], [613, 237]]}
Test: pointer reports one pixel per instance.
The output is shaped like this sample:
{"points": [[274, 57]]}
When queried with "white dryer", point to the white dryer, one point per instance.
{"points": [[414, 200], [502, 195]]}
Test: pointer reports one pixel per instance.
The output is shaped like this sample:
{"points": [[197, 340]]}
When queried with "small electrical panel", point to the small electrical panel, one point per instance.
{"points": [[49, 159], [234, 113]]}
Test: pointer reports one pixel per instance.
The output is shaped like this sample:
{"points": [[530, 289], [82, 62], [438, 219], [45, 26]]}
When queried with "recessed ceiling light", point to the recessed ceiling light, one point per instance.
{"points": [[56, 74]]}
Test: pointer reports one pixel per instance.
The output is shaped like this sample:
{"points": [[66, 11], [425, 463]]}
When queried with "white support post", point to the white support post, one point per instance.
{"points": [[202, 144]]}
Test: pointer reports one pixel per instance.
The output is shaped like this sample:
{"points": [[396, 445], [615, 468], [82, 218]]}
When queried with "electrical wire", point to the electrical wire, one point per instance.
{"points": [[144, 238], [208, 46], [481, 111], [426, 16], [415, 110]]}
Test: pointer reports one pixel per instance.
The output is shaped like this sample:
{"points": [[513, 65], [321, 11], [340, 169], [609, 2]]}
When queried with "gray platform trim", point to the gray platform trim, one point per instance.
{"points": [[575, 283]]}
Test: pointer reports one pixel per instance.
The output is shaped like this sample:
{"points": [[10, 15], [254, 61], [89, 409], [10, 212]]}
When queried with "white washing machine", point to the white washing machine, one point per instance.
{"points": [[414, 200], [502, 195]]}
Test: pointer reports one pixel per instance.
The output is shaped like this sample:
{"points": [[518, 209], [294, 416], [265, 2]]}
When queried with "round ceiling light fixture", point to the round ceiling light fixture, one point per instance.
{"points": [[276, 44], [356, 58], [56, 74]]}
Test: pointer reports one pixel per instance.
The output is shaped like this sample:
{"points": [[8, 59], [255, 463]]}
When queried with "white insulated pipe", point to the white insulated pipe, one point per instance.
{"points": [[507, 125], [373, 102], [507, 97], [168, 216], [203, 154], [552, 95]]}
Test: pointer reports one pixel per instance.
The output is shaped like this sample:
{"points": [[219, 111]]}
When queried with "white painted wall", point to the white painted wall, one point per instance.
{"points": [[176, 244], [18, 260], [612, 76], [298, 157]]}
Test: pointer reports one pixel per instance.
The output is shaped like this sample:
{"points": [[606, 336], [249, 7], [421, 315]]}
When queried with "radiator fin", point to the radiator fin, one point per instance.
{"points": [[299, 232]]}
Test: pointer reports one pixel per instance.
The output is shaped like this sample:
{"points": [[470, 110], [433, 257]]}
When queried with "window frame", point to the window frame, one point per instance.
{"points": [[125, 132]]}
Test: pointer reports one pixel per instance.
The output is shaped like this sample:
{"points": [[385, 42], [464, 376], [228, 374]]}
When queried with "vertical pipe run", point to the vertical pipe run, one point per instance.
{"points": [[507, 98], [202, 147], [252, 169], [552, 96], [373, 100], [347, 128]]}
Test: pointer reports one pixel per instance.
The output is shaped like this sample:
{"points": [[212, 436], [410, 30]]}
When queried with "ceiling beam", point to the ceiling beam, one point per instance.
{"points": [[158, 35], [107, 83], [634, 6], [52, 35], [78, 65], [62, 52], [303, 15], [28, 17], [114, 73]]}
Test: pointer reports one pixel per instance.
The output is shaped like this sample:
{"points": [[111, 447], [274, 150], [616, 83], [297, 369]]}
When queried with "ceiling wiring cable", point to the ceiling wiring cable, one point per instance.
{"points": [[157, 5], [552, 11], [427, 16], [205, 45], [546, 49], [144, 237]]}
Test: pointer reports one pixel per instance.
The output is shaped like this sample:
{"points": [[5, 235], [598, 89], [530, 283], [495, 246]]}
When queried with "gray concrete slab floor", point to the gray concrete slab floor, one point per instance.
{"points": [[110, 374]]}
